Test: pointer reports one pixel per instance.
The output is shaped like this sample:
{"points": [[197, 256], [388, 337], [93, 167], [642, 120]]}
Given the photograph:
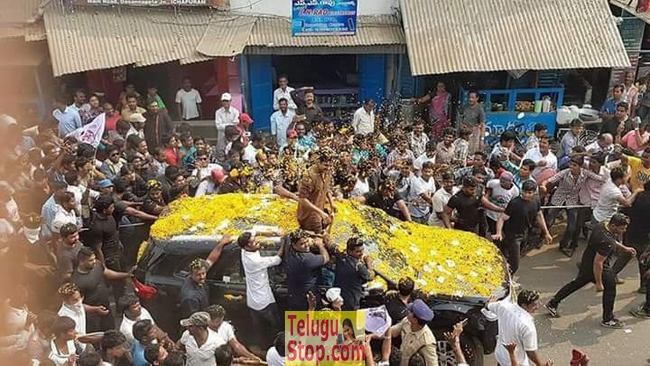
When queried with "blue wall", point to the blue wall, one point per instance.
{"points": [[372, 72], [261, 91]]}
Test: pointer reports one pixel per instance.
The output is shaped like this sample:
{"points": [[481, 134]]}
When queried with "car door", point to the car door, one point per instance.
{"points": [[228, 286]]}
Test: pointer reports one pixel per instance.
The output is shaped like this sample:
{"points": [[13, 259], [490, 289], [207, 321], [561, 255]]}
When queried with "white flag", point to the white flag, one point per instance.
{"points": [[92, 132]]}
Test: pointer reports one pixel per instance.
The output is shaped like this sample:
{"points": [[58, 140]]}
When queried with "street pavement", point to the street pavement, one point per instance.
{"points": [[547, 270]]}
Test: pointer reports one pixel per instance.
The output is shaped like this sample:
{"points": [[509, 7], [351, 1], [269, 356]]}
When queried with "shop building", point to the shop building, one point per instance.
{"points": [[27, 79], [515, 54], [223, 46]]}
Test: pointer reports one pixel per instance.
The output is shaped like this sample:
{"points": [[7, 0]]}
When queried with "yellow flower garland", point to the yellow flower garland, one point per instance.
{"points": [[441, 261]]}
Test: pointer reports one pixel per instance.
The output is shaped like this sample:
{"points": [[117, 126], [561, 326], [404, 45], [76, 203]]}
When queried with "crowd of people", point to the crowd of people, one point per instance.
{"points": [[73, 215]]}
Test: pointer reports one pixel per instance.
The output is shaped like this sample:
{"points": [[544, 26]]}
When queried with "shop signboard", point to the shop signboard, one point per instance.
{"points": [[324, 17], [220, 4]]}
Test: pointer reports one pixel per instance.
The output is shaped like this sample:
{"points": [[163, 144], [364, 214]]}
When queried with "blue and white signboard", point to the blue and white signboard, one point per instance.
{"points": [[324, 17]]}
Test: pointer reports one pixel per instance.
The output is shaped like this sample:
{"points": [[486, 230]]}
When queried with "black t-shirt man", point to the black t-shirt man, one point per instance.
{"points": [[602, 242], [522, 216], [194, 297], [467, 208], [92, 286], [303, 270], [350, 276], [639, 214], [377, 200], [103, 231]]}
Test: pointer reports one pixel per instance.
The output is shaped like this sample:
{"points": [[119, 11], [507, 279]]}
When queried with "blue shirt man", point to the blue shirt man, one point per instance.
{"points": [[280, 121], [608, 108], [69, 120]]}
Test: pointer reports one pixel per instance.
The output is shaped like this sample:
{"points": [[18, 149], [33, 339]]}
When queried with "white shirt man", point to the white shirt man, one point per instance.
{"points": [[204, 355], [364, 120], [226, 117], [417, 163], [285, 93], [258, 289], [418, 207], [273, 357], [515, 325], [536, 155], [499, 195], [189, 101], [609, 199], [280, 122], [76, 312], [440, 199], [126, 327]]}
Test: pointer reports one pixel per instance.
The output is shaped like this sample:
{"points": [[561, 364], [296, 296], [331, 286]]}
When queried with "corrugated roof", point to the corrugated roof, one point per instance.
{"points": [[273, 35], [226, 36], [645, 16], [122, 36], [446, 36]]}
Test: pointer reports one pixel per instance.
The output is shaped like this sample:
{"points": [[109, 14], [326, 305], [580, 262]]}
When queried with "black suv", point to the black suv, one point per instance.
{"points": [[165, 264]]}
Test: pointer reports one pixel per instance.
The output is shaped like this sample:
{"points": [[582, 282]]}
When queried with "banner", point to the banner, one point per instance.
{"points": [[219, 4], [325, 338], [92, 132], [324, 17]]}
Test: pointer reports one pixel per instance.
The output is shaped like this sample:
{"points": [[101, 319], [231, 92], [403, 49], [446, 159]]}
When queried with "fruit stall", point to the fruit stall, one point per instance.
{"points": [[518, 109]]}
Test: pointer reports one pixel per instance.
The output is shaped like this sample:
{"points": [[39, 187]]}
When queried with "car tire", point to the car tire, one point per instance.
{"points": [[472, 348]]}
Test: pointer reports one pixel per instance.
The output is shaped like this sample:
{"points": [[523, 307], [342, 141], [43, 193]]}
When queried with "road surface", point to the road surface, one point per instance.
{"points": [[546, 270]]}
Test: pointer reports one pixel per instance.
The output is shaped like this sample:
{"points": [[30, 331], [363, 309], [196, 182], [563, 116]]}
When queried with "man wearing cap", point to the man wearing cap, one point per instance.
{"points": [[227, 115], [416, 336], [199, 342], [353, 270], [194, 292], [137, 121], [259, 296], [158, 124]]}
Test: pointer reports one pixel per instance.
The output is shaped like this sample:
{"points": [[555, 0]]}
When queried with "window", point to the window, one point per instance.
{"points": [[228, 268]]}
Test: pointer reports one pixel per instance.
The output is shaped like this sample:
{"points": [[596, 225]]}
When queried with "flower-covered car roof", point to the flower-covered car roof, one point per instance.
{"points": [[441, 261]]}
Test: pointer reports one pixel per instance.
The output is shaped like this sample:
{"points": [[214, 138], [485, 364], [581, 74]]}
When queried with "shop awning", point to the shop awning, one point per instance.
{"points": [[102, 38], [631, 8], [226, 36], [375, 34], [445, 36]]}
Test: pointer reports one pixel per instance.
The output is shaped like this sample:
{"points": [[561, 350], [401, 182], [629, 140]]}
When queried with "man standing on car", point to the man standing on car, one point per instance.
{"points": [[315, 190], [304, 268], [353, 270], [259, 296], [195, 294], [516, 325], [595, 267]]}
